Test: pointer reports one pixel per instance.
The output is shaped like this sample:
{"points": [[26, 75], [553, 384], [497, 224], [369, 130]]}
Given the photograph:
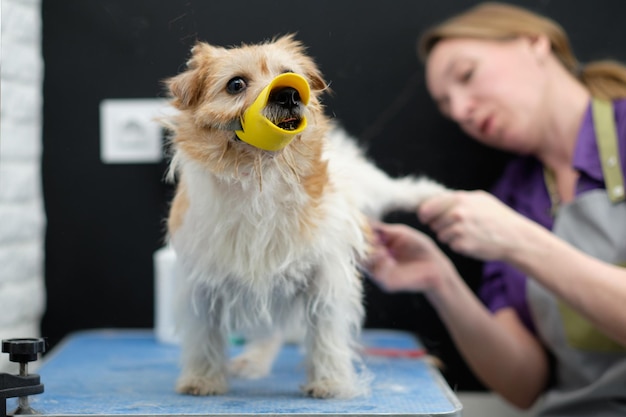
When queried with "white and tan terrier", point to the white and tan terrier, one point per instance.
{"points": [[270, 217]]}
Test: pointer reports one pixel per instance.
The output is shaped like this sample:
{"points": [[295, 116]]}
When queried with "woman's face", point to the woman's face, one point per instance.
{"points": [[493, 89]]}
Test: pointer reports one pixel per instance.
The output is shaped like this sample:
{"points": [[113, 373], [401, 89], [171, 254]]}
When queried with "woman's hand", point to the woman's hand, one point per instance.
{"points": [[405, 259], [473, 223], [498, 347]]}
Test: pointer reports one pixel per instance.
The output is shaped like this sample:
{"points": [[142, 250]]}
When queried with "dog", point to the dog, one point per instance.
{"points": [[270, 233]]}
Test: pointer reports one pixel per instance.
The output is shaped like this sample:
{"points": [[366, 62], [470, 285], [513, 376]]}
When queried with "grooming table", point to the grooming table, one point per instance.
{"points": [[130, 373]]}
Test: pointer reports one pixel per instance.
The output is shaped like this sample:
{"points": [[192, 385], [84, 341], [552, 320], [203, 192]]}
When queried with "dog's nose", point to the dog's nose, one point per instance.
{"points": [[287, 97]]}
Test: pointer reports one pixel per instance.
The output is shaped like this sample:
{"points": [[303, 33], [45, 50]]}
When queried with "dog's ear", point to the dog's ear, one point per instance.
{"points": [[186, 88], [316, 80]]}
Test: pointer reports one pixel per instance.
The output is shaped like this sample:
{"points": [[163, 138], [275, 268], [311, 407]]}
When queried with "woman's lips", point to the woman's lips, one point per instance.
{"points": [[486, 126]]}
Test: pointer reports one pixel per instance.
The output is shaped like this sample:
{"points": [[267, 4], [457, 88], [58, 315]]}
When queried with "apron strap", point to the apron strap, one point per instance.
{"points": [[606, 138]]}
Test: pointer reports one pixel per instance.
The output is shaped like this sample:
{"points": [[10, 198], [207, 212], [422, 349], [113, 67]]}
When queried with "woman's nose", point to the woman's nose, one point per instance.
{"points": [[461, 108]]}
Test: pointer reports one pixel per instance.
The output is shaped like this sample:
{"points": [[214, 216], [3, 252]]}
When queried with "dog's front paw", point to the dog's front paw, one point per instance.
{"points": [[201, 385], [326, 388]]}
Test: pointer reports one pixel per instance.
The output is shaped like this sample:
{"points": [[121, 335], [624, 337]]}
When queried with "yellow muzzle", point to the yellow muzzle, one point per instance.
{"points": [[259, 131]]}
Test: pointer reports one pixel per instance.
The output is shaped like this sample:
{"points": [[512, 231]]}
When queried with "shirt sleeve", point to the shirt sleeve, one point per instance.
{"points": [[522, 188], [493, 291]]}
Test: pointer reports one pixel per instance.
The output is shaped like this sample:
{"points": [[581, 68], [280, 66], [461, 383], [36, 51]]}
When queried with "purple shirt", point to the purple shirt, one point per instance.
{"points": [[522, 187]]}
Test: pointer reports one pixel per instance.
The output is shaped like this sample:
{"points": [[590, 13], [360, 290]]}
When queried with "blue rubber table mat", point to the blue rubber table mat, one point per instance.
{"points": [[128, 372]]}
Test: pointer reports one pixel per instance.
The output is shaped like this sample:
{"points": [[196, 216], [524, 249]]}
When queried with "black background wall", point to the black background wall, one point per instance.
{"points": [[105, 221]]}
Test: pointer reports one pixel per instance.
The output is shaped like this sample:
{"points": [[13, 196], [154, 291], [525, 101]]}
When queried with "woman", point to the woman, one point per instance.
{"points": [[554, 237]]}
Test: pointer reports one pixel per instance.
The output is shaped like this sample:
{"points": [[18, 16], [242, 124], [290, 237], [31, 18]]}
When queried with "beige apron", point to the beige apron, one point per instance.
{"points": [[590, 367]]}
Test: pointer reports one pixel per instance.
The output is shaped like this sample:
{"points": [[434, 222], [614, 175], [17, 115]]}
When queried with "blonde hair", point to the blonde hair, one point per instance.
{"points": [[604, 79]]}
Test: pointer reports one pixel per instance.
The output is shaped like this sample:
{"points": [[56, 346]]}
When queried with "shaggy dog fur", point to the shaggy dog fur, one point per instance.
{"points": [[265, 237]]}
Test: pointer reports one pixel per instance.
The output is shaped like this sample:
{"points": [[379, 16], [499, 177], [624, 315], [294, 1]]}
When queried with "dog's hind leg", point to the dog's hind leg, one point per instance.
{"points": [[377, 193], [262, 346], [405, 194], [257, 357], [372, 189]]}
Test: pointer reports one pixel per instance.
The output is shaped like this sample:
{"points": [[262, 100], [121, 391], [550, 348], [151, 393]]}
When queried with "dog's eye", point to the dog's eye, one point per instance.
{"points": [[236, 85]]}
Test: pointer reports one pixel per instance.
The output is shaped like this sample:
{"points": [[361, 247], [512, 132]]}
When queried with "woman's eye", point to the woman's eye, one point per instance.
{"points": [[467, 75], [236, 85]]}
